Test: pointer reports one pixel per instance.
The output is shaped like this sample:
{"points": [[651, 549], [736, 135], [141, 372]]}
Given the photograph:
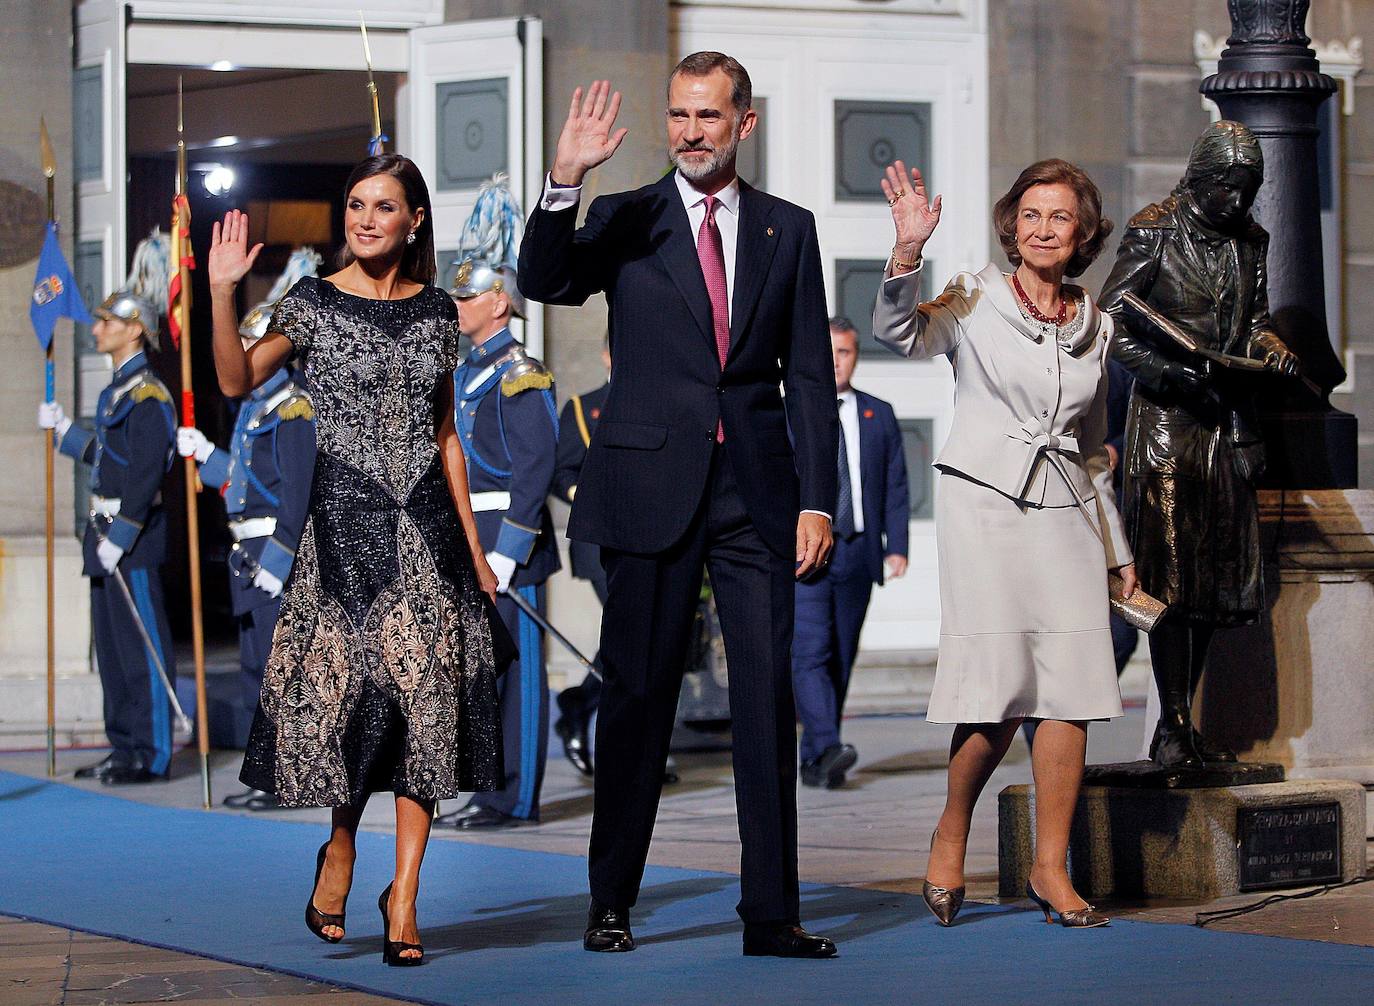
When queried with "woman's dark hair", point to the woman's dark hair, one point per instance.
{"points": [[1093, 227], [417, 261]]}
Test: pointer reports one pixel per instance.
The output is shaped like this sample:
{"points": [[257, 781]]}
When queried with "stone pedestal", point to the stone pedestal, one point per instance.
{"points": [[1170, 843], [1298, 688], [23, 647]]}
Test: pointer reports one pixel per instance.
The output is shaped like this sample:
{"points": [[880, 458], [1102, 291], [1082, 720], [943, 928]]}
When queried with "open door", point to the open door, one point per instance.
{"points": [[472, 106]]}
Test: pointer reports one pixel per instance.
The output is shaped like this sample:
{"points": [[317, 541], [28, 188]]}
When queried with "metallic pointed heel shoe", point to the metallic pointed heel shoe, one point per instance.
{"points": [[1079, 918], [944, 902]]}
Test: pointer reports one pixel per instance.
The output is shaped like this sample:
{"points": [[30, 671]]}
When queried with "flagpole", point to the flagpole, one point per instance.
{"points": [[375, 144], [181, 259], [49, 393]]}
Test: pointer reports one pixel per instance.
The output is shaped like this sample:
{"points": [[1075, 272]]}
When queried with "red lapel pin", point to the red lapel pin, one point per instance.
{"points": [[868, 413]]}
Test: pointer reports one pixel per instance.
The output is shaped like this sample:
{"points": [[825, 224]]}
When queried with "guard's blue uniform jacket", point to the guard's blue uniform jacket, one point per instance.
{"points": [[507, 422], [264, 478], [130, 452]]}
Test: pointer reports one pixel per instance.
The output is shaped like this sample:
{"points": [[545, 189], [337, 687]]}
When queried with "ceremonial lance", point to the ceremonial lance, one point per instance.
{"points": [[54, 296], [374, 145], [179, 324]]}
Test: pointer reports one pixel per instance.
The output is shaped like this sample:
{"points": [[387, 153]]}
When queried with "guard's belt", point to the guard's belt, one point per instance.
{"points": [[252, 527], [495, 499], [108, 506]]}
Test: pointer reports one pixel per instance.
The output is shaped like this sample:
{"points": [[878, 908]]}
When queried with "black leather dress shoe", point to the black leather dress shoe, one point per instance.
{"points": [[252, 799], [811, 773], [786, 940], [835, 761], [114, 758], [129, 775], [572, 730], [608, 930], [475, 818]]}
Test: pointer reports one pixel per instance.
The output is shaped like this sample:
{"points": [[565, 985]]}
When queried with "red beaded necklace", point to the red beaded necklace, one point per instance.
{"points": [[1035, 312]]}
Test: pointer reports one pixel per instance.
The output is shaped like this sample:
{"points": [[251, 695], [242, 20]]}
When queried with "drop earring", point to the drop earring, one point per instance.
{"points": [[410, 238]]}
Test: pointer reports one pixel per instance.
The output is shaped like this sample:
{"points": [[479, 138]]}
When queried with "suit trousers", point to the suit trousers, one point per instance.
{"points": [[138, 713], [830, 615], [524, 692], [644, 645], [255, 646], [583, 698]]}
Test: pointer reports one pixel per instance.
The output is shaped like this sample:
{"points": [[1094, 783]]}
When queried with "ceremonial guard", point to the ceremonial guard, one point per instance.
{"points": [[576, 424], [264, 478], [507, 422], [125, 540]]}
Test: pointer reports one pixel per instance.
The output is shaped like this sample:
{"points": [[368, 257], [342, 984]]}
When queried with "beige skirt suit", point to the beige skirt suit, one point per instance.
{"points": [[1023, 571]]}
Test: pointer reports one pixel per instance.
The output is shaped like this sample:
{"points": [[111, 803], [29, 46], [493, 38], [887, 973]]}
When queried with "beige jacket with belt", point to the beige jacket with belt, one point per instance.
{"points": [[1022, 402]]}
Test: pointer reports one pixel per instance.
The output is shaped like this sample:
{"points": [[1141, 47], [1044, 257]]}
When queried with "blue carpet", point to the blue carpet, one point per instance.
{"points": [[504, 926]]}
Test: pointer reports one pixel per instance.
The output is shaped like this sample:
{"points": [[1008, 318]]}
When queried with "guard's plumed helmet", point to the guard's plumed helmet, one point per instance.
{"points": [[143, 299], [1224, 145], [303, 262], [489, 247]]}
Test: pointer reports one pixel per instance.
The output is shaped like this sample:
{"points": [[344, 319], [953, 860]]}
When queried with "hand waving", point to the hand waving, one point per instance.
{"points": [[230, 260], [587, 139], [913, 214]]}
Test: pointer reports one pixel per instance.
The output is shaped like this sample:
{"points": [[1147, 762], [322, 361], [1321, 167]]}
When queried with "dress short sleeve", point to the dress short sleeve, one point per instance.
{"points": [[448, 332], [294, 315]]}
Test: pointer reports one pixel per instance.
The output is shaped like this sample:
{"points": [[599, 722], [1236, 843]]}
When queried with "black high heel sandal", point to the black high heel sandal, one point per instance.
{"points": [[316, 920], [393, 949]]}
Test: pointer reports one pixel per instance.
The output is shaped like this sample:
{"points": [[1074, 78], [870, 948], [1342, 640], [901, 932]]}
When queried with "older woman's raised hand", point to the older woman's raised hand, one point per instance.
{"points": [[913, 214]]}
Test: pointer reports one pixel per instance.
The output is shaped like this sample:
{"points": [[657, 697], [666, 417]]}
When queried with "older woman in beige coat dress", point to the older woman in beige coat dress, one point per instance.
{"points": [[1026, 524]]}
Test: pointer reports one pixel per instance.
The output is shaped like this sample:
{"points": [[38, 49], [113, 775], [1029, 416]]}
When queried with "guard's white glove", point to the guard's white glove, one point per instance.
{"points": [[108, 554], [267, 583], [191, 443], [504, 568], [51, 417]]}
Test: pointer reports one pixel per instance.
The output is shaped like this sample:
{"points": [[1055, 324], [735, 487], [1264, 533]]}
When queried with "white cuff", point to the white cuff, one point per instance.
{"points": [[556, 198], [822, 513]]}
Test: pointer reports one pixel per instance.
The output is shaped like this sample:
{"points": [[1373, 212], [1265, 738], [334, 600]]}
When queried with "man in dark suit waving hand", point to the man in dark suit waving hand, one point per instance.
{"points": [[716, 304]]}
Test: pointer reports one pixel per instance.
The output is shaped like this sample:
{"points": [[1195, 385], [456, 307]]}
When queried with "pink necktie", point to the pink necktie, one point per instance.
{"points": [[711, 254]]}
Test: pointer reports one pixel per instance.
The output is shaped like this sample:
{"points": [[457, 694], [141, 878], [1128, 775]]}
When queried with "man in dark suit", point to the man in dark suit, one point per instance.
{"points": [[716, 300], [870, 529]]}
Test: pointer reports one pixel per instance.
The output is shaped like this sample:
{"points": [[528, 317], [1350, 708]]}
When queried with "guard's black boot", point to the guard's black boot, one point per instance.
{"points": [[1172, 747], [1210, 752], [573, 729], [115, 759]]}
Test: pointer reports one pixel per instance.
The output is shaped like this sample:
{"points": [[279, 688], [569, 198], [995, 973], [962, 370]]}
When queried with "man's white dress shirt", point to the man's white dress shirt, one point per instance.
{"points": [[849, 429]]}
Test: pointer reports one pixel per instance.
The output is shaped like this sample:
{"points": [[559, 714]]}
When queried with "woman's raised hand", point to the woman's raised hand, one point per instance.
{"points": [[587, 139], [914, 215], [230, 260]]}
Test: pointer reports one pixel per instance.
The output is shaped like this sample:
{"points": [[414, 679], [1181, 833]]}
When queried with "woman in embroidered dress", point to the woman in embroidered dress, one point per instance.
{"points": [[1023, 570], [384, 661]]}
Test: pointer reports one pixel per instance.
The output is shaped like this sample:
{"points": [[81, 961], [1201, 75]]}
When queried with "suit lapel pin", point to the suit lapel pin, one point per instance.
{"points": [[868, 413], [770, 232]]}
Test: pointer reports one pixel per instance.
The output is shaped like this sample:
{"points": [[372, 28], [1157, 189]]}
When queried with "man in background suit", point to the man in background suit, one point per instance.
{"points": [[870, 528], [716, 300]]}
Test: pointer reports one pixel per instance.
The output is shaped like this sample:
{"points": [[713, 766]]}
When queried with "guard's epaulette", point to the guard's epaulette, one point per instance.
{"points": [[297, 406], [523, 373], [1156, 215], [150, 387]]}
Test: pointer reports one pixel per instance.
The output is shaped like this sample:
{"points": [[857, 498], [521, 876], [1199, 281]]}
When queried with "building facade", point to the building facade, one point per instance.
{"points": [[970, 90]]}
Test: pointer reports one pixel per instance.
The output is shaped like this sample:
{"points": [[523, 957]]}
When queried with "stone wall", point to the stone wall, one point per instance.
{"points": [[36, 52]]}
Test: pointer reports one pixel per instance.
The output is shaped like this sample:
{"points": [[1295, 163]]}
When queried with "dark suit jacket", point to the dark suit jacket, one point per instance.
{"points": [[887, 498], [572, 451], [647, 466]]}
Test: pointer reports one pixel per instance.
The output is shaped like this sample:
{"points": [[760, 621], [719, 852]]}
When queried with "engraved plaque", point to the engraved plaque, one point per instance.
{"points": [[870, 135], [471, 132], [856, 288], [918, 439], [1292, 846]]}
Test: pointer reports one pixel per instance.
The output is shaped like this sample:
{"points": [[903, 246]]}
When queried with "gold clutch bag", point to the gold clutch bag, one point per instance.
{"points": [[1140, 609]]}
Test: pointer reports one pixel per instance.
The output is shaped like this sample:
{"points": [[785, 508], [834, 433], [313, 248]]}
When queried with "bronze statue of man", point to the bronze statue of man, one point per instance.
{"points": [[1192, 445]]}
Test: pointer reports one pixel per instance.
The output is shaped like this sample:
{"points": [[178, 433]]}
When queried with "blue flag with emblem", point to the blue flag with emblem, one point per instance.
{"points": [[54, 292]]}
